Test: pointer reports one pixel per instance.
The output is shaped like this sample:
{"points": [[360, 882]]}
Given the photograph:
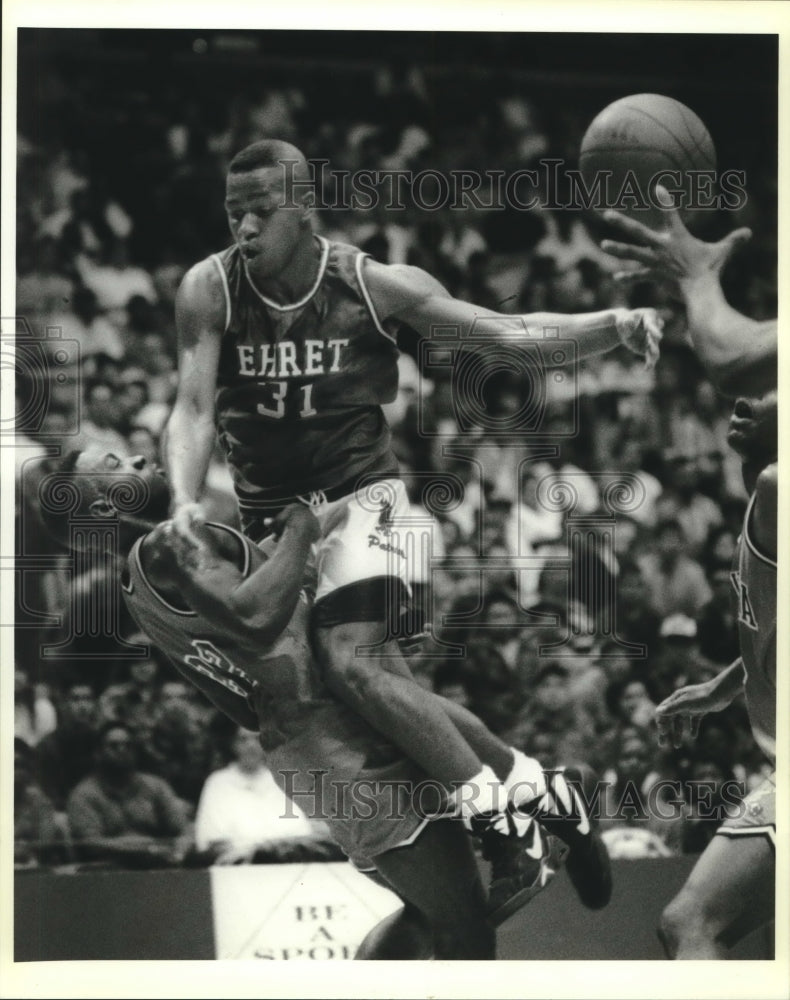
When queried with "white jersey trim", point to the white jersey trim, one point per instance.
{"points": [[308, 295], [358, 264], [226, 289], [748, 538]]}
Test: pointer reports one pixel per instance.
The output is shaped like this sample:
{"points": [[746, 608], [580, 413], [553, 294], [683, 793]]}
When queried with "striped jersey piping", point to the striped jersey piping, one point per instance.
{"points": [[358, 265], [308, 295], [224, 277], [135, 555]]}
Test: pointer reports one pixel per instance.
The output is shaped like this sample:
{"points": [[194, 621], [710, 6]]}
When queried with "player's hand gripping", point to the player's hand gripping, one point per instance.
{"points": [[186, 518], [294, 515], [678, 717], [671, 252], [640, 331]]}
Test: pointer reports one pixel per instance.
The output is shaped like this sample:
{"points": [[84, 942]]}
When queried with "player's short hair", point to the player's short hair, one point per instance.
{"points": [[56, 522], [266, 153]]}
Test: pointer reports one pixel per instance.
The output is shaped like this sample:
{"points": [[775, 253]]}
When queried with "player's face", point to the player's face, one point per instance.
{"points": [[267, 221], [103, 473], [753, 427]]}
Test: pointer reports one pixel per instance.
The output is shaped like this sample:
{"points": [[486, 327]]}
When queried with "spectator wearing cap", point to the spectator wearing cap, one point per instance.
{"points": [[678, 659], [675, 582]]}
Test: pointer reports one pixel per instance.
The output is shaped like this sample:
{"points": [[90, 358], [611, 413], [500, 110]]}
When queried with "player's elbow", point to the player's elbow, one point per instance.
{"points": [[261, 629]]}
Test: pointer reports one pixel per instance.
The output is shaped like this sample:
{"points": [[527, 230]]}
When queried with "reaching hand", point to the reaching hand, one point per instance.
{"points": [[640, 331], [678, 717], [671, 252]]}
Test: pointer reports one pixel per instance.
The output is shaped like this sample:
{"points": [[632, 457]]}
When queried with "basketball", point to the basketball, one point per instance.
{"points": [[644, 140]]}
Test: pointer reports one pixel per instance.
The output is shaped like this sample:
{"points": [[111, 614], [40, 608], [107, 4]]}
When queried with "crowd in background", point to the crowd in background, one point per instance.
{"points": [[118, 760]]}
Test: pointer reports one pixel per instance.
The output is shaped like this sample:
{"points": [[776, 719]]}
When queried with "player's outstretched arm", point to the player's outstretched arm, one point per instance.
{"points": [[738, 353], [680, 714], [190, 432], [255, 608], [411, 295]]}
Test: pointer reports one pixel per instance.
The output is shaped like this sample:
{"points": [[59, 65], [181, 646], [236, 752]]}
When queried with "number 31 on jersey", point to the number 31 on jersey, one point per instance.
{"points": [[276, 394]]}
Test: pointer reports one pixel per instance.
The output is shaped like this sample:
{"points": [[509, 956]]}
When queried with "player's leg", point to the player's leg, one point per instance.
{"points": [[729, 893], [405, 934], [438, 875], [368, 672]]}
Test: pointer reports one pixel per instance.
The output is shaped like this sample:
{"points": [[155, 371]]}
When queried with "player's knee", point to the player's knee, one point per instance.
{"points": [[349, 669], [684, 917]]}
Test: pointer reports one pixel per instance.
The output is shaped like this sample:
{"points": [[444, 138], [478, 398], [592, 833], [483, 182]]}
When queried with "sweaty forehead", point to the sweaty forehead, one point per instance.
{"points": [[263, 183]]}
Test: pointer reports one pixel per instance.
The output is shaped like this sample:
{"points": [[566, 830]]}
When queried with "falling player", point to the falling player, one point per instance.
{"points": [[287, 346], [235, 623], [731, 888]]}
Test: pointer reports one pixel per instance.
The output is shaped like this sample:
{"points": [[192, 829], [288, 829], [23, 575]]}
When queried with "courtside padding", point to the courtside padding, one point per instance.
{"points": [[318, 911]]}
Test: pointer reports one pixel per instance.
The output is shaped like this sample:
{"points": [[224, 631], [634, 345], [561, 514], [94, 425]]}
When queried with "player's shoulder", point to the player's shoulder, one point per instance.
{"points": [[394, 286], [763, 526], [202, 285]]}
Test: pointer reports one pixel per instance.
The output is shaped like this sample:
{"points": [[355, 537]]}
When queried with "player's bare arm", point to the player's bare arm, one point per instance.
{"points": [[256, 608], [738, 353], [190, 433], [680, 714], [409, 294]]}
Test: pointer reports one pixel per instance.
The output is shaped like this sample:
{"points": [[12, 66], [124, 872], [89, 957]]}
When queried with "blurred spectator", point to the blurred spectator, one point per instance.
{"points": [[116, 280], [712, 795], [629, 703], [675, 582], [696, 513], [122, 816], [87, 324], [244, 816], [65, 756], [549, 720], [34, 713], [39, 837], [44, 289], [104, 417], [134, 701], [677, 659]]}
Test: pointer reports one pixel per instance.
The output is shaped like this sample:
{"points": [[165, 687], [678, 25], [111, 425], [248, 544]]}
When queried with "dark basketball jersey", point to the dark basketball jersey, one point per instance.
{"points": [[300, 386], [275, 691], [754, 581]]}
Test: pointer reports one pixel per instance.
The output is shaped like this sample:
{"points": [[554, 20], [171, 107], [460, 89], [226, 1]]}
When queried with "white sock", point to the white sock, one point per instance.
{"points": [[482, 793], [526, 781]]}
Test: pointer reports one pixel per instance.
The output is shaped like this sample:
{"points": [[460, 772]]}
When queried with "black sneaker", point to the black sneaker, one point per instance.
{"points": [[562, 812], [522, 865]]}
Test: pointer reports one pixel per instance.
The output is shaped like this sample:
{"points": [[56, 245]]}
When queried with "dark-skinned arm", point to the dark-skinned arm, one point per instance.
{"points": [[739, 354], [254, 609], [410, 295]]}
